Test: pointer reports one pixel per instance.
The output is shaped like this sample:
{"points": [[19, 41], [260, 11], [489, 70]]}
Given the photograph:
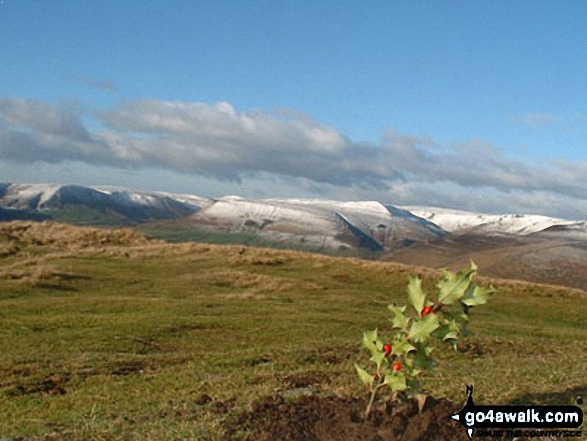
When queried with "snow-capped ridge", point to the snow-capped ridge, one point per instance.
{"points": [[324, 223], [461, 222]]}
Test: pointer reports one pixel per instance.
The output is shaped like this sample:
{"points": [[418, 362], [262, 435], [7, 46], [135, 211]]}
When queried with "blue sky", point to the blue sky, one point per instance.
{"points": [[476, 105]]}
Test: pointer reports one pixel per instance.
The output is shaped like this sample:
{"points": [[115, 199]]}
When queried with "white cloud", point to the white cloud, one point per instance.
{"points": [[42, 117], [218, 143]]}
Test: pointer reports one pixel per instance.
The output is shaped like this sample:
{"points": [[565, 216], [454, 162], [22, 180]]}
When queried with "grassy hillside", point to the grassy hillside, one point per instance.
{"points": [[107, 335], [533, 259]]}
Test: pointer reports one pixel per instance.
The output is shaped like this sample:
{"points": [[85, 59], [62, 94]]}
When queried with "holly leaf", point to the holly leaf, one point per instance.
{"points": [[370, 340], [461, 319], [477, 295], [365, 376], [401, 347], [422, 358], [444, 333], [416, 295], [473, 266], [378, 358], [422, 328], [396, 382], [449, 330], [399, 320], [453, 286]]}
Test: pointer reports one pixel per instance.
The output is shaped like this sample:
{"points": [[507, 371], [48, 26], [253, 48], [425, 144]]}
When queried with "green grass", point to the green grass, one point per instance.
{"points": [[127, 351], [78, 215]]}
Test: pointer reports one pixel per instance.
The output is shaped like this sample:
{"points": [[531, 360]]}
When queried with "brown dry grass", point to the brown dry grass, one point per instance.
{"points": [[65, 236]]}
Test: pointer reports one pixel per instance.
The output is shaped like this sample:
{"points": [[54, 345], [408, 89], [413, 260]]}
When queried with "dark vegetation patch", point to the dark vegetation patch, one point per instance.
{"points": [[306, 379], [12, 214], [54, 384], [139, 366], [130, 367], [259, 361]]}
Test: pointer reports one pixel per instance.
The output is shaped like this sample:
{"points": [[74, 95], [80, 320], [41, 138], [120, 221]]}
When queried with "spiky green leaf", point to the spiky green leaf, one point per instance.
{"points": [[399, 321], [453, 286], [473, 266], [416, 295], [396, 381], [477, 295], [370, 340], [421, 329], [365, 376], [448, 330], [444, 333], [377, 358], [461, 319], [423, 356], [401, 347]]}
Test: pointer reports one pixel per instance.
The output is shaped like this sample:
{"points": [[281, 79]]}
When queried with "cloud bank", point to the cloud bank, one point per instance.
{"points": [[216, 141]]}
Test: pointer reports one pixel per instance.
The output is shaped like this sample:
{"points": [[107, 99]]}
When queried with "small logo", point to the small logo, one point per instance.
{"points": [[460, 417], [474, 417]]}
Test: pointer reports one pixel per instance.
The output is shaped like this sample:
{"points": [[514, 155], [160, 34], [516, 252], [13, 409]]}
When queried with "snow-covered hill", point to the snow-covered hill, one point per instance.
{"points": [[129, 204], [465, 222], [305, 222], [318, 223]]}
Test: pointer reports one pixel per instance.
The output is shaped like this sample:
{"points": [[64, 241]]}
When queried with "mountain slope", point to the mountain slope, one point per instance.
{"points": [[96, 205], [316, 224], [299, 223], [465, 222], [577, 230], [533, 258], [320, 225]]}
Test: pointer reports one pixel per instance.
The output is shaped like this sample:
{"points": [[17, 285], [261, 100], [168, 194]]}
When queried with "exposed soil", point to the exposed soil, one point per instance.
{"points": [[52, 385], [313, 418]]}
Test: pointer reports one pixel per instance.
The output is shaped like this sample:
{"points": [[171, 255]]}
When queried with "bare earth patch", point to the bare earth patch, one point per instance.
{"points": [[314, 418]]}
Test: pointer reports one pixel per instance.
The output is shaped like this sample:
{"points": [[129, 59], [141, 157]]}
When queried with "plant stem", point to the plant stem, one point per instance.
{"points": [[371, 402]]}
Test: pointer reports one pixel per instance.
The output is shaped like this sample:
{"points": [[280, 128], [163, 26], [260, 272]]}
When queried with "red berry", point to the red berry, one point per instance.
{"points": [[376, 376], [427, 310], [397, 367], [387, 349]]}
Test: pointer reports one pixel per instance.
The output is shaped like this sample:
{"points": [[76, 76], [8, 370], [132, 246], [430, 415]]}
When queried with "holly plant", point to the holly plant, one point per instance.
{"points": [[399, 360]]}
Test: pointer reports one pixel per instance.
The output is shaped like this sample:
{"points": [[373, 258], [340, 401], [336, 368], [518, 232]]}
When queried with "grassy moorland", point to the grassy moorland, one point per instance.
{"points": [[106, 335]]}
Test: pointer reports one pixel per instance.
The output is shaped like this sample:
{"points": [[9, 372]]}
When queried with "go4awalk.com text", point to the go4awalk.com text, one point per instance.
{"points": [[516, 421]]}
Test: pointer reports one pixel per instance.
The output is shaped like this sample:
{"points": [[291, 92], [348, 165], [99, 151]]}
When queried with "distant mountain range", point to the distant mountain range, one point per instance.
{"points": [[529, 247], [318, 224]]}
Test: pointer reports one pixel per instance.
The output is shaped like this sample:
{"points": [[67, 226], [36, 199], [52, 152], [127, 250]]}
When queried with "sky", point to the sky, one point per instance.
{"points": [[476, 105]]}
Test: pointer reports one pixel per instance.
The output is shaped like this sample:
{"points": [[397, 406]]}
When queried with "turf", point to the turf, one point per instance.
{"points": [[106, 335]]}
